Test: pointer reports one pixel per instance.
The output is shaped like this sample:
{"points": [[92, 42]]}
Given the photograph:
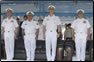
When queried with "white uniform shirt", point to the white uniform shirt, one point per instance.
{"points": [[51, 22], [30, 27], [81, 25], [40, 36], [9, 24]]}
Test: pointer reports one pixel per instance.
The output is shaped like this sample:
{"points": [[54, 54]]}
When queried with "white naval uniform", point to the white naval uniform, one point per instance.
{"points": [[40, 36], [80, 27], [51, 23], [9, 28], [30, 28]]}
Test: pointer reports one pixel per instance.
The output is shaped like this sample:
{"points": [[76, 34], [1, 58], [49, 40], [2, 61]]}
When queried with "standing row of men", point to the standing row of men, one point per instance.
{"points": [[51, 31]]}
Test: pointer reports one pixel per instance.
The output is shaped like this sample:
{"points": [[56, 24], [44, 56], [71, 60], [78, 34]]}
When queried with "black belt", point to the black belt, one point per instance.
{"points": [[68, 38]]}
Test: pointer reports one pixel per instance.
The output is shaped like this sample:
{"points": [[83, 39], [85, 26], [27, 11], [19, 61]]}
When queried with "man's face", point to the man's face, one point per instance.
{"points": [[9, 13], [51, 11], [80, 14], [30, 17]]}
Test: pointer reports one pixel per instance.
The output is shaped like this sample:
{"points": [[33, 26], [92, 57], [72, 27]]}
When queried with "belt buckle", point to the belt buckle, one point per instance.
{"points": [[80, 32], [51, 31]]}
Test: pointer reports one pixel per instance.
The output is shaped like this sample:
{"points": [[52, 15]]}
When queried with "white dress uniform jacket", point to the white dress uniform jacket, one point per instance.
{"points": [[51, 23], [9, 28], [80, 27], [29, 38]]}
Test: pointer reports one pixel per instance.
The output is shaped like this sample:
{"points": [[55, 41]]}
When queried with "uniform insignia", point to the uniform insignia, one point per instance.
{"points": [[11, 20], [47, 19], [5, 21], [84, 21], [25, 24]]}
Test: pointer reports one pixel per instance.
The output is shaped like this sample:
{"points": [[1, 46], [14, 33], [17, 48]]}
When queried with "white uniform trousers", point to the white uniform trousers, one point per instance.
{"points": [[80, 43], [30, 45], [51, 42], [9, 45]]}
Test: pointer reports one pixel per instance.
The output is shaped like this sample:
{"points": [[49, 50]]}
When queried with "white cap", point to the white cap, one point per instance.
{"points": [[80, 10], [18, 16], [40, 19], [51, 7], [9, 9], [30, 13]]}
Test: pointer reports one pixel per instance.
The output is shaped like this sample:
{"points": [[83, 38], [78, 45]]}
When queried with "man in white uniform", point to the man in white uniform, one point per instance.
{"points": [[80, 33], [51, 24], [40, 35], [29, 30], [9, 26]]}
